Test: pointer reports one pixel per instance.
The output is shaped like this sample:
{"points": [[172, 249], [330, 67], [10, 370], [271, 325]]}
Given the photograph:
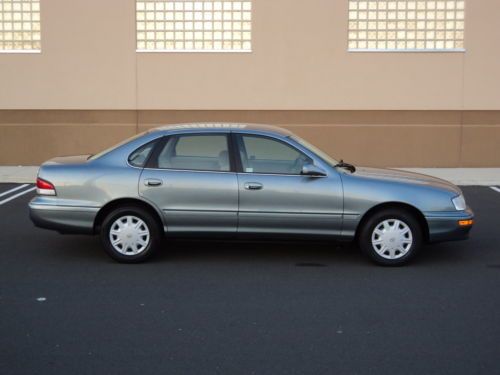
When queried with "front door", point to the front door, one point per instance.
{"points": [[192, 182], [276, 199]]}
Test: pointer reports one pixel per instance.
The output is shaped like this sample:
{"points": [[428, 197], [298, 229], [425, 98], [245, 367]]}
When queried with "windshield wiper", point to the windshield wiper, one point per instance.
{"points": [[351, 168]]}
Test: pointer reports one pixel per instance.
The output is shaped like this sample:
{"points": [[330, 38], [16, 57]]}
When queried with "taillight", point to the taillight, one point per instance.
{"points": [[44, 187]]}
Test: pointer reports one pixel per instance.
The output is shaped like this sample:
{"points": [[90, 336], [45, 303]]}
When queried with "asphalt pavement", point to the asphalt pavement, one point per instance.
{"points": [[246, 308]]}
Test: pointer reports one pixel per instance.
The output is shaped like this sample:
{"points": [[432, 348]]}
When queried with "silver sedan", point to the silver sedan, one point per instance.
{"points": [[240, 180]]}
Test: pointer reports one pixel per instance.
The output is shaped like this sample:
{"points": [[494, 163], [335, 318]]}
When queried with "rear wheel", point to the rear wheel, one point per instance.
{"points": [[130, 234], [391, 237]]}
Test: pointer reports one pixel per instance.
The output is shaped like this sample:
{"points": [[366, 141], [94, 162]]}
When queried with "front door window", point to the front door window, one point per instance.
{"points": [[265, 155]]}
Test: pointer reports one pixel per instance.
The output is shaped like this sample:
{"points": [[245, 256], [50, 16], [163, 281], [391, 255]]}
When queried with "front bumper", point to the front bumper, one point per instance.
{"points": [[443, 226], [64, 219]]}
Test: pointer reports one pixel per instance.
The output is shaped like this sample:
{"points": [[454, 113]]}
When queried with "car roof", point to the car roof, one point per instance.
{"points": [[222, 126]]}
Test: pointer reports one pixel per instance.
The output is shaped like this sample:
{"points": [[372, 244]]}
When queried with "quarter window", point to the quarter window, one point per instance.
{"points": [[406, 25], [266, 155], [20, 26], [195, 152], [194, 26], [139, 157]]}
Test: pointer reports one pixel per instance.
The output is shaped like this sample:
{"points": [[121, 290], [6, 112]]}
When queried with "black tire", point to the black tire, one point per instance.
{"points": [[151, 223], [376, 220]]}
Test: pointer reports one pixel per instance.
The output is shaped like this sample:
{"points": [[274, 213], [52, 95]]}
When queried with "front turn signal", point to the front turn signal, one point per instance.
{"points": [[466, 223]]}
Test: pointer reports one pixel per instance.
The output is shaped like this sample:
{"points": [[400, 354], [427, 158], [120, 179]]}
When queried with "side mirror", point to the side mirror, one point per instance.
{"points": [[312, 171]]}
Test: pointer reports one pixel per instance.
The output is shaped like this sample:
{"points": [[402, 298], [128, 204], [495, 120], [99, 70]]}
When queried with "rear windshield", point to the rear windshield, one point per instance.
{"points": [[97, 156]]}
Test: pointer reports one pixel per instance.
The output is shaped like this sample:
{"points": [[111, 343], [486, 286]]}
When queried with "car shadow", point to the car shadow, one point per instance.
{"points": [[69, 248], [446, 252], [300, 253], [304, 253]]}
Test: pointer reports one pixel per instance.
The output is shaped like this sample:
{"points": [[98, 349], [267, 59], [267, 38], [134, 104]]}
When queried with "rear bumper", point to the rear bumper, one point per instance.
{"points": [[443, 226], [64, 219]]}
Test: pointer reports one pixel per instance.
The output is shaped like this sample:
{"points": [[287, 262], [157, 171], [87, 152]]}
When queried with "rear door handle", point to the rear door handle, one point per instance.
{"points": [[253, 185], [153, 182]]}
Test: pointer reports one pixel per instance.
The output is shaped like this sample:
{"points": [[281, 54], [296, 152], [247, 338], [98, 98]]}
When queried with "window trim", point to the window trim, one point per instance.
{"points": [[239, 137], [454, 50], [192, 51], [21, 51], [165, 139]]}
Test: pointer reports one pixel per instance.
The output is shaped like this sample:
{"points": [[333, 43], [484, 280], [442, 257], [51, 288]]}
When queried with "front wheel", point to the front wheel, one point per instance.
{"points": [[391, 237], [130, 234]]}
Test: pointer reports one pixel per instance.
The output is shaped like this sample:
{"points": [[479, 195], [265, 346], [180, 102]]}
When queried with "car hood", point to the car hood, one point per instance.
{"points": [[406, 177], [64, 160]]}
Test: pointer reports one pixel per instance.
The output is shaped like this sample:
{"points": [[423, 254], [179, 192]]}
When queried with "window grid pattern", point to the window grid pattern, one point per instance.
{"points": [[425, 25], [20, 26], [194, 26]]}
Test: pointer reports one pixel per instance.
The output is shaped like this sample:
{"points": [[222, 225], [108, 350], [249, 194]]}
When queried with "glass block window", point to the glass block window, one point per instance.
{"points": [[406, 25], [19, 26], [194, 26]]}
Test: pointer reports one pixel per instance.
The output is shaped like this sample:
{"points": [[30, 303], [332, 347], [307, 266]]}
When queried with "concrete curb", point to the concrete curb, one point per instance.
{"points": [[459, 176], [19, 174], [463, 176]]}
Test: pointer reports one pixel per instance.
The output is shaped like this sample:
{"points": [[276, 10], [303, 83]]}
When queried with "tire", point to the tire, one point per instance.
{"points": [[391, 237], [136, 234]]}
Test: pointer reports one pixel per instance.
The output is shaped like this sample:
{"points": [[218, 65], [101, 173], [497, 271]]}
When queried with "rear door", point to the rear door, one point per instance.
{"points": [[191, 179], [276, 199]]}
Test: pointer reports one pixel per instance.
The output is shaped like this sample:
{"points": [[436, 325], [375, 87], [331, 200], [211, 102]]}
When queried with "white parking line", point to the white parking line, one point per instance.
{"points": [[495, 188], [17, 195], [13, 190]]}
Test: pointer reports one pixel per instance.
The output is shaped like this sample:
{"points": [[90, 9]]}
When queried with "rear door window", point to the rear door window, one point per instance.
{"points": [[206, 152]]}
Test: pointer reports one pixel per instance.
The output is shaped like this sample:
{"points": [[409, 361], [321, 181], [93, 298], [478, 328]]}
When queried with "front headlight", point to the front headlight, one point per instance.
{"points": [[459, 203]]}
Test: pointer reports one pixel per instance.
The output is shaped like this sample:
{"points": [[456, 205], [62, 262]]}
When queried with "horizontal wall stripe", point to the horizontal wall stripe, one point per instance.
{"points": [[371, 138]]}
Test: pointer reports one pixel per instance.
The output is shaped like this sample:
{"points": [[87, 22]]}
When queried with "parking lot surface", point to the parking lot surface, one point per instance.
{"points": [[246, 308]]}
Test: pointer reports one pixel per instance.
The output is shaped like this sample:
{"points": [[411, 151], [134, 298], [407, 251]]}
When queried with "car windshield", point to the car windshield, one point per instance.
{"points": [[96, 156], [324, 156]]}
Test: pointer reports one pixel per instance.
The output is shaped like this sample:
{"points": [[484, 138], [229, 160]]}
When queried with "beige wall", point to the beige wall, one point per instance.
{"points": [[299, 61], [372, 138], [89, 88]]}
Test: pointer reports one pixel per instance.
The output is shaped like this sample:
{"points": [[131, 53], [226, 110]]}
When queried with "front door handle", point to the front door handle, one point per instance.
{"points": [[253, 185], [152, 182]]}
